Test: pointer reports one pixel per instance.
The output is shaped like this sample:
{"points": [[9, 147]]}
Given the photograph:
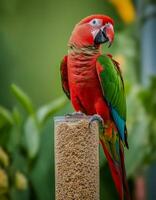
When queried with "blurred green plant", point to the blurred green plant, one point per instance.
{"points": [[21, 138], [22, 163], [20, 141], [148, 98]]}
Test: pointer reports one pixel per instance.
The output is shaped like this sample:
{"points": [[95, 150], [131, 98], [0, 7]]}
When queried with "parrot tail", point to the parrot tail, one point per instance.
{"points": [[118, 172], [125, 183]]}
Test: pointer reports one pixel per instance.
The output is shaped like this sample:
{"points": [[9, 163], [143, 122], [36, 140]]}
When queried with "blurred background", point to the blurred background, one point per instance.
{"points": [[33, 40]]}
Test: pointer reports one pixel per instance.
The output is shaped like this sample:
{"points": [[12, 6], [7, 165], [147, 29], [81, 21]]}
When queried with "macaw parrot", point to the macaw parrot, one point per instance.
{"points": [[94, 84]]}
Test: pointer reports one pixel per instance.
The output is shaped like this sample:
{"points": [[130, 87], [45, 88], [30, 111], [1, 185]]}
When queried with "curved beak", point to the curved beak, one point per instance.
{"points": [[105, 34]]}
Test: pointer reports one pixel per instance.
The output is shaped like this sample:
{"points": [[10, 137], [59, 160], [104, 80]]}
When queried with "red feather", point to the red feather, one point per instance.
{"points": [[116, 172]]}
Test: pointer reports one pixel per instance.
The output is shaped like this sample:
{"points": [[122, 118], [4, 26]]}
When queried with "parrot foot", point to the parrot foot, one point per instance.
{"points": [[78, 114], [100, 121]]}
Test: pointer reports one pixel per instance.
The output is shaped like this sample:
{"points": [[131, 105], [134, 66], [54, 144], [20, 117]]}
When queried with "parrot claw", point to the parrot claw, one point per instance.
{"points": [[78, 114], [100, 121]]}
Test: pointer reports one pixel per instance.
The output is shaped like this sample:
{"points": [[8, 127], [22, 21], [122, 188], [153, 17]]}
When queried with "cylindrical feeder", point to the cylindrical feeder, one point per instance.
{"points": [[76, 159]]}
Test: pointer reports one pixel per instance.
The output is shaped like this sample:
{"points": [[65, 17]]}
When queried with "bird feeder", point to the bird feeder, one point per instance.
{"points": [[76, 159]]}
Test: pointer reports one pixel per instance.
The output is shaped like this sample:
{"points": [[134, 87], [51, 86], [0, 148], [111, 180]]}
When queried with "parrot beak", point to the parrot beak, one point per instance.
{"points": [[105, 34], [101, 37]]}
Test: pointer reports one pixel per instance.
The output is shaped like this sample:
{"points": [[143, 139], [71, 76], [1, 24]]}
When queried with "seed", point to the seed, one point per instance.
{"points": [[76, 160]]}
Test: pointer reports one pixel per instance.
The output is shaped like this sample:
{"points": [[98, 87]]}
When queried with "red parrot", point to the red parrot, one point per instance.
{"points": [[94, 84]]}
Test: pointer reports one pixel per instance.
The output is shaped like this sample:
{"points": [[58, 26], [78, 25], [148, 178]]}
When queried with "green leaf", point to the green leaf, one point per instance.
{"points": [[5, 117], [46, 111], [15, 134], [23, 98], [17, 116], [32, 137]]}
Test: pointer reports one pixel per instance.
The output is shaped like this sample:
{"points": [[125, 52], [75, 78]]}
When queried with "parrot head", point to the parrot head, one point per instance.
{"points": [[93, 31]]}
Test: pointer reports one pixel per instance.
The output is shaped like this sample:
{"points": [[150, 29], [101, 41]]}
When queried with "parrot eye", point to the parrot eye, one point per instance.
{"points": [[95, 22]]}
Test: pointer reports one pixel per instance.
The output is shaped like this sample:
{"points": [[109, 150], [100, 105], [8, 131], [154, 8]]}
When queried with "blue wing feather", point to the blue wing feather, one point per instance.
{"points": [[120, 123]]}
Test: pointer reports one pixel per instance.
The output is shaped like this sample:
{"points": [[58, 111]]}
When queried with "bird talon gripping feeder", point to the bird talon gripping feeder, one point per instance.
{"points": [[76, 159]]}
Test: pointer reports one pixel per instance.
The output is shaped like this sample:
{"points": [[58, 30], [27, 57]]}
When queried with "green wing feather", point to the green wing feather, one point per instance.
{"points": [[112, 85], [113, 90]]}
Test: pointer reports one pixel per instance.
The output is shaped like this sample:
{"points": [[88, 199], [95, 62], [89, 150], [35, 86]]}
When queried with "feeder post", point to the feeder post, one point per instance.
{"points": [[76, 159]]}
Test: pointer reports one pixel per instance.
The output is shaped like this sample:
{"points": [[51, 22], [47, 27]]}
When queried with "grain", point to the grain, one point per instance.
{"points": [[76, 160]]}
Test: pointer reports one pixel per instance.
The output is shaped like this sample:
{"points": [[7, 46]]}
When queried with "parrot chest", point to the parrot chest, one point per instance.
{"points": [[82, 77], [85, 90]]}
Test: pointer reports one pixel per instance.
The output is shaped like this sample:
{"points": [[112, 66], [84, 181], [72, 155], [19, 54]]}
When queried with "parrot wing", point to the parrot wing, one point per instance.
{"points": [[113, 90], [64, 76]]}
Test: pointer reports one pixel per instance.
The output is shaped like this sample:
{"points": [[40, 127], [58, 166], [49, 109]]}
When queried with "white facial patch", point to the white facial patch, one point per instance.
{"points": [[107, 25], [95, 32], [95, 22], [110, 26]]}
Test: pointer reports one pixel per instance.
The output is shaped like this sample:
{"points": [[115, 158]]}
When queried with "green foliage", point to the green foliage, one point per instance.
{"points": [[5, 117], [25, 162], [47, 110], [148, 98], [32, 137], [138, 132], [23, 99], [20, 143], [142, 127]]}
